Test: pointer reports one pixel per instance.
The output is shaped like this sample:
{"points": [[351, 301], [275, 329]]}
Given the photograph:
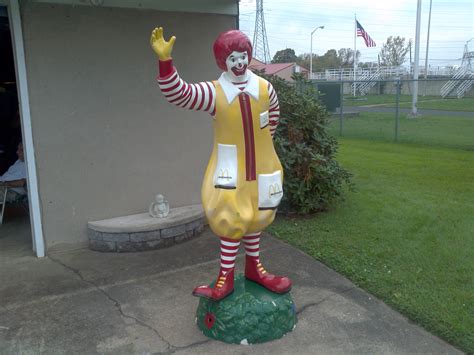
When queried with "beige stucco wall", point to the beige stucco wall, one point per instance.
{"points": [[287, 73], [105, 139]]}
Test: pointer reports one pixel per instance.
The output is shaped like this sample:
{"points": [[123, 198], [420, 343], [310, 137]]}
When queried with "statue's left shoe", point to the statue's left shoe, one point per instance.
{"points": [[255, 272]]}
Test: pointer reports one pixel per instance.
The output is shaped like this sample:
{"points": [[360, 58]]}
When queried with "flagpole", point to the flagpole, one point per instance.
{"points": [[354, 54]]}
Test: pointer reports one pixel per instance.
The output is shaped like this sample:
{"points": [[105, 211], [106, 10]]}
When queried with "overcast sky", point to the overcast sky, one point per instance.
{"points": [[289, 25]]}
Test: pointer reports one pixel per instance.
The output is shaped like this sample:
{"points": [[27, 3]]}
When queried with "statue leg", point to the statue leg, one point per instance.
{"points": [[254, 271], [224, 284]]}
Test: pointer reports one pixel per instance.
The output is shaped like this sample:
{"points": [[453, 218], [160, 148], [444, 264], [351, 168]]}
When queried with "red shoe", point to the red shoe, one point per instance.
{"points": [[255, 272], [224, 287]]}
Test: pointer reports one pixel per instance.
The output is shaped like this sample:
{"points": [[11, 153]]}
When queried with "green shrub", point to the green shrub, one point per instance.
{"points": [[313, 178]]}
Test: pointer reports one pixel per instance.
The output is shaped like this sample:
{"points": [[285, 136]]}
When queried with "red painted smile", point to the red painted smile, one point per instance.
{"points": [[239, 71]]}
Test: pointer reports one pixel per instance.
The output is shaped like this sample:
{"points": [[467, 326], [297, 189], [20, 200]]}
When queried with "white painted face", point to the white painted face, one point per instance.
{"points": [[237, 63]]}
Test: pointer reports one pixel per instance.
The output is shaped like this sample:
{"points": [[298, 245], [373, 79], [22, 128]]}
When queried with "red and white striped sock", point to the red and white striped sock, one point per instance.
{"points": [[252, 245], [229, 249]]}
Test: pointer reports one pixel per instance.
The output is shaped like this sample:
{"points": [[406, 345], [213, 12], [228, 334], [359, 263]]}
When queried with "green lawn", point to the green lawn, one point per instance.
{"points": [[405, 235], [424, 102], [454, 132]]}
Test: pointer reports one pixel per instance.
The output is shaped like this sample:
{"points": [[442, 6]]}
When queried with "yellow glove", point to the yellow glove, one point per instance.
{"points": [[160, 46]]}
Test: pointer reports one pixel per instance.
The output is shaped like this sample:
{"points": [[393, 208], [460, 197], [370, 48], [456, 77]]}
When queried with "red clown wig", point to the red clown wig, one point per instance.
{"points": [[230, 41]]}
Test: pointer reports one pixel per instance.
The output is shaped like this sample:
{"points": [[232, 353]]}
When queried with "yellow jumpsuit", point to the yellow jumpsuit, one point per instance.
{"points": [[235, 211]]}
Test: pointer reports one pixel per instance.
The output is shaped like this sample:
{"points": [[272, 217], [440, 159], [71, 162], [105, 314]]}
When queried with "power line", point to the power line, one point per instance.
{"points": [[335, 22], [366, 23]]}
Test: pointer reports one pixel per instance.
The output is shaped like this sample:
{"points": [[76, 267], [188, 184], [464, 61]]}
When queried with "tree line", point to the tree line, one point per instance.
{"points": [[393, 53]]}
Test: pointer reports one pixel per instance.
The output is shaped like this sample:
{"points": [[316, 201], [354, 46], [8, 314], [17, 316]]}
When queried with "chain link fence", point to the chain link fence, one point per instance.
{"points": [[384, 110]]}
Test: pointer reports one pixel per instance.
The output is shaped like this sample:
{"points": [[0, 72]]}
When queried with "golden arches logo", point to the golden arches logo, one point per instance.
{"points": [[224, 174], [274, 189]]}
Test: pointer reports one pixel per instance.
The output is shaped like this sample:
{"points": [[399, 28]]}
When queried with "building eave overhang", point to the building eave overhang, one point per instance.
{"points": [[223, 7]]}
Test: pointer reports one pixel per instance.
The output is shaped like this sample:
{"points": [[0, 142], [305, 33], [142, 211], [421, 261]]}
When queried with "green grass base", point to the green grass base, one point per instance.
{"points": [[250, 315]]}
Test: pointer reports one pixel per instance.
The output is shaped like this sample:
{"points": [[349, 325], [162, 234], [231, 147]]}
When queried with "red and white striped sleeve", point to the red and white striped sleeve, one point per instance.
{"points": [[274, 110], [200, 96]]}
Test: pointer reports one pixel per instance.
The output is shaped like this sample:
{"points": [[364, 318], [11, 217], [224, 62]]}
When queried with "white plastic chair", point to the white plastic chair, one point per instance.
{"points": [[3, 201], [20, 200]]}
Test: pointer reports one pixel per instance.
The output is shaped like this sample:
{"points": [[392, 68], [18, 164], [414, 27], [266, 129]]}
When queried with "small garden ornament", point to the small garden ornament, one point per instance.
{"points": [[242, 185], [160, 208]]}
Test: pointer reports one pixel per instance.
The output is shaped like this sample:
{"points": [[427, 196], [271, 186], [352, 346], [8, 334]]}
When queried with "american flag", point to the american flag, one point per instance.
{"points": [[369, 42]]}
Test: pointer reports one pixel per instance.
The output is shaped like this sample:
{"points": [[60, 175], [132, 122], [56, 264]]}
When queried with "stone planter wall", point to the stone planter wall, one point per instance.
{"points": [[142, 232]]}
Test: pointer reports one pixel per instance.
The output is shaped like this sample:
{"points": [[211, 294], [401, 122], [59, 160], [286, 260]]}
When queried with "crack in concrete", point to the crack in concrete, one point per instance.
{"points": [[114, 301], [309, 305], [186, 347]]}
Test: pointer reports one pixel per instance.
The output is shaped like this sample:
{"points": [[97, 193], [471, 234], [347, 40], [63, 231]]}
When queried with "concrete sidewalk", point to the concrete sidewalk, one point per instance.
{"points": [[89, 302]]}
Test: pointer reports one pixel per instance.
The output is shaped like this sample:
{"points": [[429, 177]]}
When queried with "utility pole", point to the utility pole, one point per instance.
{"points": [[428, 41], [414, 110], [427, 46], [311, 53], [411, 61], [378, 69]]}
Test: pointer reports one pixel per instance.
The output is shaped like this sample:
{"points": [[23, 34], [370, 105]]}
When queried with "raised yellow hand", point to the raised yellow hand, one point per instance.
{"points": [[160, 46]]}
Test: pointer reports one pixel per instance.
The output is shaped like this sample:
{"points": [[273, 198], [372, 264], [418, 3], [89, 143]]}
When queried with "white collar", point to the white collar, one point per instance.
{"points": [[231, 91]]}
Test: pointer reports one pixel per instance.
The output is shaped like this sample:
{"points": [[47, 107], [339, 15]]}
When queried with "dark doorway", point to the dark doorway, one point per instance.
{"points": [[15, 231], [10, 124]]}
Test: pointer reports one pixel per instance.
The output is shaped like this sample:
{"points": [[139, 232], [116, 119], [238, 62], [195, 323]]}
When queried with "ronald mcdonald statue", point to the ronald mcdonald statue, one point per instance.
{"points": [[243, 181]]}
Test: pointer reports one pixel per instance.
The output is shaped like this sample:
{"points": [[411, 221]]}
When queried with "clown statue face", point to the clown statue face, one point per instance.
{"points": [[237, 63], [233, 53]]}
